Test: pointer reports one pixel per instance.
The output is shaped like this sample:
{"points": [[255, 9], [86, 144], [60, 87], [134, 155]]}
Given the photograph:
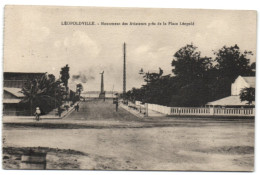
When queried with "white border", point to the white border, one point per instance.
{"points": [[194, 4]]}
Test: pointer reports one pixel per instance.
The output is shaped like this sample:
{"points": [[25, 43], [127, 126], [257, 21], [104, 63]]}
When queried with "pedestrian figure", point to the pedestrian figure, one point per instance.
{"points": [[116, 106], [77, 107], [59, 111], [115, 101], [37, 114]]}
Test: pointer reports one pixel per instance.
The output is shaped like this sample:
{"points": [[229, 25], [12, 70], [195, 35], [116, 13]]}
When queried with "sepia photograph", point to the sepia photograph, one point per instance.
{"points": [[133, 89]]}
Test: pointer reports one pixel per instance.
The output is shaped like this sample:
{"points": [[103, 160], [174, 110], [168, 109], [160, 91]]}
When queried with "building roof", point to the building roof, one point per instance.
{"points": [[11, 101], [14, 91], [229, 101], [250, 81]]}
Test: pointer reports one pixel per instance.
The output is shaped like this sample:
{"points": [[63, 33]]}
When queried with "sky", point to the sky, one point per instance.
{"points": [[35, 40]]}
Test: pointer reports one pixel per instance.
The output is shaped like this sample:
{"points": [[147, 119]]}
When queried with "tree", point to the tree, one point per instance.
{"points": [[151, 88], [79, 89], [65, 76], [135, 94], [253, 68], [156, 90], [247, 94], [51, 77], [196, 80], [192, 74], [43, 92], [232, 63], [189, 65]]}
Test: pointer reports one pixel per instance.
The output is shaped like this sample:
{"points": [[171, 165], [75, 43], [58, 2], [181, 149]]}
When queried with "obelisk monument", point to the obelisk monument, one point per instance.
{"points": [[102, 92]]}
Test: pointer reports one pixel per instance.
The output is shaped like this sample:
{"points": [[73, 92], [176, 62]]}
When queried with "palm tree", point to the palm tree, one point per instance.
{"points": [[43, 92]]}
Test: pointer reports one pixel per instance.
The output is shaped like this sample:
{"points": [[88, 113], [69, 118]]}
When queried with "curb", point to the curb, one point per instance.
{"points": [[69, 112], [135, 113], [42, 117]]}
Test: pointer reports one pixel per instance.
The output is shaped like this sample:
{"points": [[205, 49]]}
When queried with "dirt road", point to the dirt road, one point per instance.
{"points": [[101, 110], [125, 142]]}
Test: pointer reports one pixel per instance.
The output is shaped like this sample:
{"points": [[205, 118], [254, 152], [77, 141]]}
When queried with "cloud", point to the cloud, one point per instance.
{"points": [[80, 41], [77, 49], [142, 49], [37, 43], [147, 57]]}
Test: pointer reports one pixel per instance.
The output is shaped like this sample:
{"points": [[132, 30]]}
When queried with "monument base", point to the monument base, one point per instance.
{"points": [[102, 95]]}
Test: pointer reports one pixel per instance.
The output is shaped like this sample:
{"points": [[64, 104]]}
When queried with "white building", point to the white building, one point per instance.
{"points": [[241, 83], [234, 100]]}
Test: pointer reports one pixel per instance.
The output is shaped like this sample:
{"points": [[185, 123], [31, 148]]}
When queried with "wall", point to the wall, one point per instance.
{"points": [[239, 84], [200, 111]]}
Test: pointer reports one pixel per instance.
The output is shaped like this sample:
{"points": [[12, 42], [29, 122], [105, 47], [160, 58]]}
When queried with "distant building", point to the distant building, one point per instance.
{"points": [[11, 100], [111, 94], [90, 94], [95, 94], [13, 83], [234, 100]]}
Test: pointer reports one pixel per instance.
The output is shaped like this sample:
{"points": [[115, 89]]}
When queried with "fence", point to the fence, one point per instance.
{"points": [[234, 111], [200, 111], [189, 111]]}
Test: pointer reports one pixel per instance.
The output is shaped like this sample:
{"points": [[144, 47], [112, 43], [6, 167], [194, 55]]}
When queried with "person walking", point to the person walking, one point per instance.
{"points": [[77, 107], [37, 113], [59, 111], [116, 106], [115, 101]]}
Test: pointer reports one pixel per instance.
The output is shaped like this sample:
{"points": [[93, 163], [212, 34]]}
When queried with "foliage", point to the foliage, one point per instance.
{"points": [[196, 80], [44, 92], [247, 94], [189, 65], [232, 63], [79, 89], [65, 75], [72, 96], [195, 93]]}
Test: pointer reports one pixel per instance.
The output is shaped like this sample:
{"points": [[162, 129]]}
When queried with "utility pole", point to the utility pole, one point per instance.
{"points": [[124, 72]]}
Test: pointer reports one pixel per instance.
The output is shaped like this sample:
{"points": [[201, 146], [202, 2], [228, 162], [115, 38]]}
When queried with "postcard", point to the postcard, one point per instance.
{"points": [[98, 88]]}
